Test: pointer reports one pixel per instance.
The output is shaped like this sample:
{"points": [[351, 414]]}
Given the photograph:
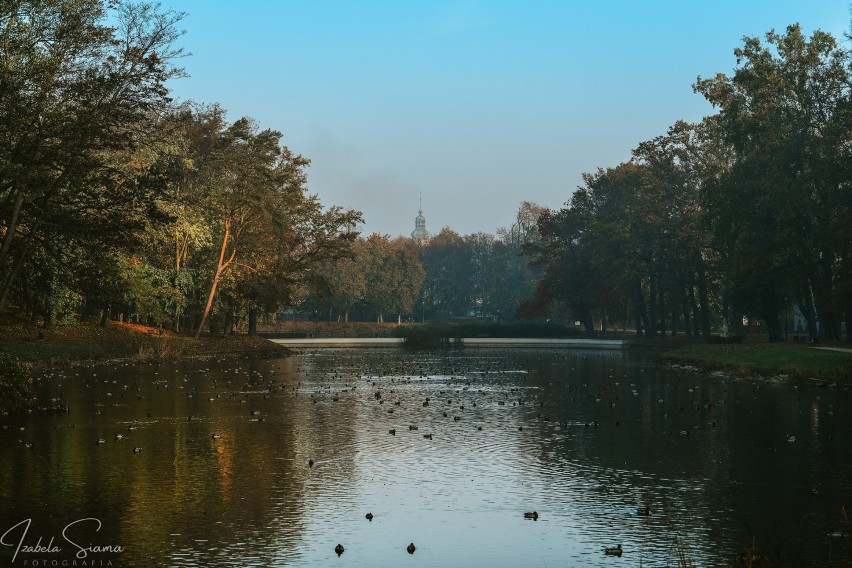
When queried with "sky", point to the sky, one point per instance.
{"points": [[472, 105]]}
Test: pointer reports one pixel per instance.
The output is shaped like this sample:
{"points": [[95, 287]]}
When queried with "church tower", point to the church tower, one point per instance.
{"points": [[420, 234]]}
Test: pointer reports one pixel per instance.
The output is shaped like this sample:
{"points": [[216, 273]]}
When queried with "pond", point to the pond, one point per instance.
{"points": [[275, 462]]}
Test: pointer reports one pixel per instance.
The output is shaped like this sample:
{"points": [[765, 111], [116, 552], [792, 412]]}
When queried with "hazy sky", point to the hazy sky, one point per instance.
{"points": [[476, 104]]}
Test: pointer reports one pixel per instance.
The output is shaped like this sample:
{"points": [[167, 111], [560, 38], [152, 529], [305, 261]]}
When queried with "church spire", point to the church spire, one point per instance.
{"points": [[420, 234]]}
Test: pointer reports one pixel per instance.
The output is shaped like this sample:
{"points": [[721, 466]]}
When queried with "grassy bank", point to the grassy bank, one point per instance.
{"points": [[25, 347], [89, 343], [767, 359]]}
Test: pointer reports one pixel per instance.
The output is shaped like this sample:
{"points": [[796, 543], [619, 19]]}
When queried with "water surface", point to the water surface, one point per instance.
{"points": [[222, 474]]}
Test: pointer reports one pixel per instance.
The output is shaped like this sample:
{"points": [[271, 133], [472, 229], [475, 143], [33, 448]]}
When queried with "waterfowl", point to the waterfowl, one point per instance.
{"points": [[392, 431], [613, 551], [101, 441], [411, 548], [369, 516], [137, 449], [216, 436], [643, 511], [533, 516], [310, 463], [339, 549], [791, 438]]}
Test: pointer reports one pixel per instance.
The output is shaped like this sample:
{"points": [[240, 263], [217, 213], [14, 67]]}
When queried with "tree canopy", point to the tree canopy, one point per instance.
{"points": [[744, 214]]}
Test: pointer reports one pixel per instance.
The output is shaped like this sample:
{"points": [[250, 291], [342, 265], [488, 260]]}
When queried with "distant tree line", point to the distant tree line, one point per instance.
{"points": [[448, 276], [746, 213]]}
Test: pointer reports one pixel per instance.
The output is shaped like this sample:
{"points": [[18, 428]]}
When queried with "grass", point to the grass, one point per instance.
{"points": [[754, 359], [26, 346], [87, 343]]}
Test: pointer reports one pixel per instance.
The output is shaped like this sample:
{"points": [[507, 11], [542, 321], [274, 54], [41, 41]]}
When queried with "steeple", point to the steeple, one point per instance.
{"points": [[420, 233]]}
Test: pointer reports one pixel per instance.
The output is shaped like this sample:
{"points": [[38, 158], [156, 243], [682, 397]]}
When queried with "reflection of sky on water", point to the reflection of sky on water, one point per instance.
{"points": [[583, 438]]}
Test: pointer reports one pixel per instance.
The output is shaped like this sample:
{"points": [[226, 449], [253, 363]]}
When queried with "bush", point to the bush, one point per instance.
{"points": [[15, 381], [430, 331]]}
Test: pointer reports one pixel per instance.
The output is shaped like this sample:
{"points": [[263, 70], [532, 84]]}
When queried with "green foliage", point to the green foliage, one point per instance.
{"points": [[781, 213], [769, 359], [80, 84], [744, 213], [393, 275], [15, 381]]}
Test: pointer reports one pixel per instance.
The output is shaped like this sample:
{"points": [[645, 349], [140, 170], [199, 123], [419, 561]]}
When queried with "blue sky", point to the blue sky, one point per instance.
{"points": [[476, 104]]}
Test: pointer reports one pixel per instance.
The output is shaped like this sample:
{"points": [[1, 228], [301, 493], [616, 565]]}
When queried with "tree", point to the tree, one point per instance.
{"points": [[267, 227], [681, 166], [781, 212], [448, 289], [393, 275], [511, 278], [76, 94]]}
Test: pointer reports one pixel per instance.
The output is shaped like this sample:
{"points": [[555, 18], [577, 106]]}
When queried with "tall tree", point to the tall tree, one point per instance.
{"points": [[780, 211], [393, 275], [79, 83]]}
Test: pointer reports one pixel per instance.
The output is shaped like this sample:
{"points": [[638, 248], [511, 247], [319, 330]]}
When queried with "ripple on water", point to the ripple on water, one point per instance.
{"points": [[553, 446]]}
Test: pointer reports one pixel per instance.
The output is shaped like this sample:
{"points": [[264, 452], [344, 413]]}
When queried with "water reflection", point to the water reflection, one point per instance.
{"points": [[446, 450]]}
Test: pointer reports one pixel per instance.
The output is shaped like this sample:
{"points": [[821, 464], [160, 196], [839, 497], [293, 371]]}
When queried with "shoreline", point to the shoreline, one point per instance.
{"points": [[767, 361], [118, 343], [466, 342]]}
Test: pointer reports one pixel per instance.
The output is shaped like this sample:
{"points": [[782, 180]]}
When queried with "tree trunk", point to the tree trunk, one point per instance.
{"points": [[735, 319], [652, 307], [19, 263], [808, 309], [105, 315], [641, 310], [703, 295], [589, 323], [773, 326], [48, 309], [252, 321], [12, 227], [662, 314], [828, 315], [229, 323], [687, 308], [206, 313], [176, 324], [696, 313], [638, 319], [221, 266]]}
